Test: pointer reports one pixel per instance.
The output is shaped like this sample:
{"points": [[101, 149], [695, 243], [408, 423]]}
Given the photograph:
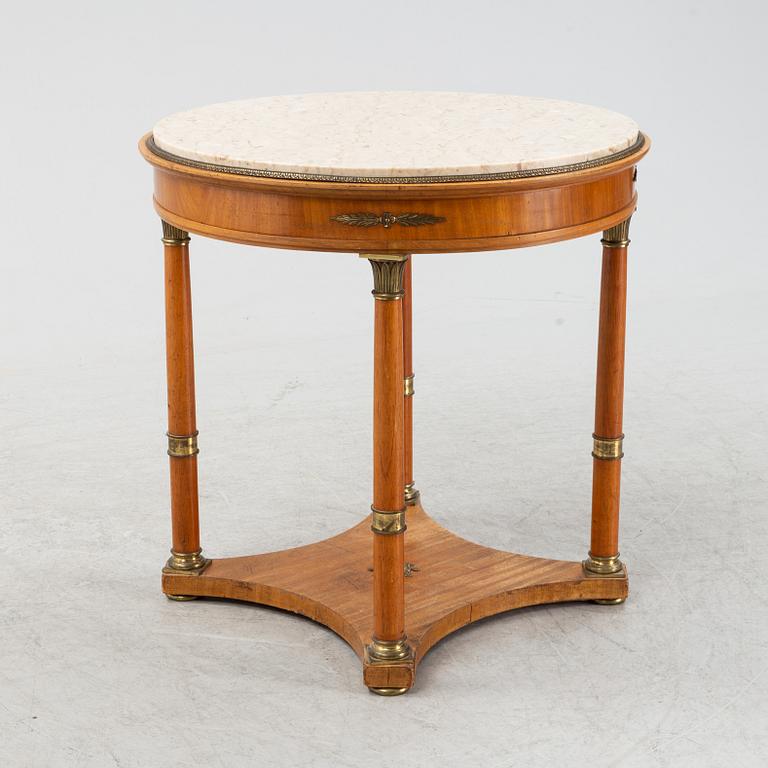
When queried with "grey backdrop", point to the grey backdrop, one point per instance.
{"points": [[98, 669]]}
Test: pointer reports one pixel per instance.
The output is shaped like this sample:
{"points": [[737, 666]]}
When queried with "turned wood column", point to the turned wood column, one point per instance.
{"points": [[411, 494], [389, 643], [182, 428], [609, 405]]}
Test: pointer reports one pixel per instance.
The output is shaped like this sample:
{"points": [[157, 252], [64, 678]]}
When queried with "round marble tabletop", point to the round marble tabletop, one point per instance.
{"points": [[388, 135]]}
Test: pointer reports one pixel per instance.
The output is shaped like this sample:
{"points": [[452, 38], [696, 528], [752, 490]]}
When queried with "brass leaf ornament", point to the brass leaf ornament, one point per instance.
{"points": [[386, 219]]}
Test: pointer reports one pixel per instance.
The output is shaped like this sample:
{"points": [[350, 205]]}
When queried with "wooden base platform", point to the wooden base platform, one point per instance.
{"points": [[450, 582]]}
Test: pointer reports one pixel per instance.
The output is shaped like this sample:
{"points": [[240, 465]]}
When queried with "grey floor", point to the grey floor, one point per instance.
{"points": [[97, 668]]}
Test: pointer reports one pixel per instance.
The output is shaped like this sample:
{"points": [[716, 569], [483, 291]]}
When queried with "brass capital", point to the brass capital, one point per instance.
{"points": [[173, 235], [617, 236], [387, 523], [608, 448], [408, 388], [387, 274]]}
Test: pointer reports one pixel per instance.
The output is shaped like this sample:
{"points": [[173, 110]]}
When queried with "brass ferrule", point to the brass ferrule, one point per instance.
{"points": [[617, 236], [387, 523], [603, 566], [387, 274], [615, 243], [389, 650], [173, 235], [608, 448], [186, 562], [408, 386], [411, 494], [182, 446]]}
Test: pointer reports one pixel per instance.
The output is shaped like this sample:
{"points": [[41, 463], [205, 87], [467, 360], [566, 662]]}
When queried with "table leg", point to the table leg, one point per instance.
{"points": [[411, 494], [603, 559], [186, 556], [389, 654]]}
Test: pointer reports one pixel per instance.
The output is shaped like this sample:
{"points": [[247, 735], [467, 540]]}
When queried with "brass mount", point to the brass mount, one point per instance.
{"points": [[387, 523], [388, 651], [608, 448], [412, 495], [387, 274], [192, 563], [182, 446], [595, 565], [617, 236], [173, 235]]}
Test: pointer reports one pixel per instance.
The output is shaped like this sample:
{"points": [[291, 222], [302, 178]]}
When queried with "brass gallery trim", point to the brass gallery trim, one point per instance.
{"points": [[386, 219], [608, 448], [387, 523], [182, 446], [502, 176]]}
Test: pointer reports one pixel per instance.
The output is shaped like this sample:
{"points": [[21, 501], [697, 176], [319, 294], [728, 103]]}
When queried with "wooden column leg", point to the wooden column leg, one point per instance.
{"points": [[186, 556], [388, 668], [411, 494], [608, 438]]}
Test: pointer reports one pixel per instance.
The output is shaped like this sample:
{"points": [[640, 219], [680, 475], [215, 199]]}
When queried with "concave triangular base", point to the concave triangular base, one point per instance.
{"points": [[452, 583]]}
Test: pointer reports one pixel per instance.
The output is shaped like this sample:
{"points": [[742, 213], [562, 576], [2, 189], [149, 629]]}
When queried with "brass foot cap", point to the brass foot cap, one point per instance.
{"points": [[181, 598], [614, 601], [388, 691]]}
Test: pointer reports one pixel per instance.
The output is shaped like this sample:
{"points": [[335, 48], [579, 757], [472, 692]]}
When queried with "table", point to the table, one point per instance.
{"points": [[387, 176]]}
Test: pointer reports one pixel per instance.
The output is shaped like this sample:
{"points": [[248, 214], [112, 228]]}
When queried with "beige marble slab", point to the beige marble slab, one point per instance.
{"points": [[392, 134]]}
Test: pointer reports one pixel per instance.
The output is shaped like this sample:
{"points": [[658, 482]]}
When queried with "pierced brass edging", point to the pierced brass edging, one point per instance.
{"points": [[608, 448], [387, 523], [295, 176], [182, 446], [365, 219]]}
